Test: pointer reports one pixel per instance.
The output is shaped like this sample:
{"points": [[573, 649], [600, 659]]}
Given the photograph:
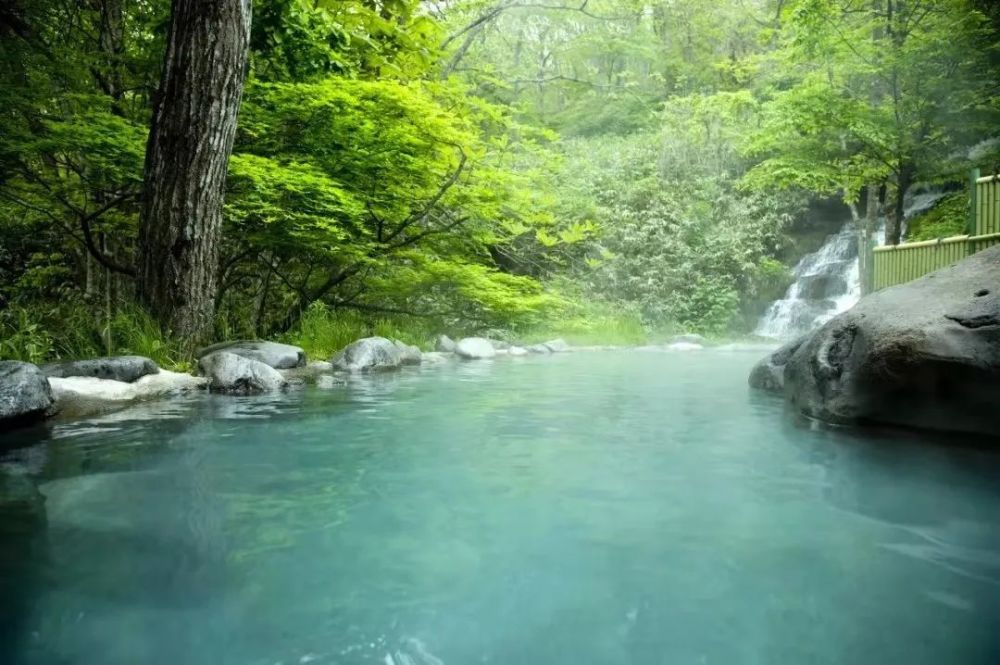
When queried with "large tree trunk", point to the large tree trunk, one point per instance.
{"points": [[187, 157]]}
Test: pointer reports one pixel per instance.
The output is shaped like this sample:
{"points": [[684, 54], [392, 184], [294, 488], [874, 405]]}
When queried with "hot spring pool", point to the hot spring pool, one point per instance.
{"points": [[591, 508]]}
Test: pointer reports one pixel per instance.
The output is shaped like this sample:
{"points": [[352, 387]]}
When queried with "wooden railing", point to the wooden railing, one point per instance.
{"points": [[902, 263], [897, 264]]}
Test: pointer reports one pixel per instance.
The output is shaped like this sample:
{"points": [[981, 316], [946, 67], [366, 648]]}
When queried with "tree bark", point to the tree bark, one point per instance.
{"points": [[111, 42], [187, 157]]}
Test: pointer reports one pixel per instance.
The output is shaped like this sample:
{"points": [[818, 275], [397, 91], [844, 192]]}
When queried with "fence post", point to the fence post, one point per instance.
{"points": [[973, 201]]}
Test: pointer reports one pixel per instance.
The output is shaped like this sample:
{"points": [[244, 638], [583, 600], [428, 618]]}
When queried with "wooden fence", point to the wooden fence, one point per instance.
{"points": [[902, 263], [897, 264], [985, 205]]}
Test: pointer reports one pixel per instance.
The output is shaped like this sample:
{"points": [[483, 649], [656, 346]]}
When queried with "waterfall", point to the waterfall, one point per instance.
{"points": [[828, 281]]}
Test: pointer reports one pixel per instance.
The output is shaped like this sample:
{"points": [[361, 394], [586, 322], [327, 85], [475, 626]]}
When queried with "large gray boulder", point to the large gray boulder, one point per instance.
{"points": [[557, 346], [368, 355], [272, 354], [475, 348], [924, 354], [444, 344], [25, 395], [113, 368], [408, 355], [235, 375], [769, 373]]}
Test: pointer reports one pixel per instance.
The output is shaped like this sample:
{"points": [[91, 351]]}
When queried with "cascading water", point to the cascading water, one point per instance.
{"points": [[828, 281]]}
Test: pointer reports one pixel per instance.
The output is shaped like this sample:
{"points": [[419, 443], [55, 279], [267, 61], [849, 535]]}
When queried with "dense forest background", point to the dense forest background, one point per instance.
{"points": [[605, 170]]}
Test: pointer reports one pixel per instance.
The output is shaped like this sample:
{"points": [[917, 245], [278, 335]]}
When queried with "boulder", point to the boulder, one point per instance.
{"points": [[444, 344], [539, 348], [113, 368], [517, 351], [474, 348], [499, 344], [924, 354], [309, 373], [272, 354], [408, 355], [769, 373], [368, 355], [557, 346], [235, 375], [25, 394], [81, 396], [329, 382]]}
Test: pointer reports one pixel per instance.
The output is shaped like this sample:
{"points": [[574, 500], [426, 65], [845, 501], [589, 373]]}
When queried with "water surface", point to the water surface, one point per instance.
{"points": [[600, 508]]}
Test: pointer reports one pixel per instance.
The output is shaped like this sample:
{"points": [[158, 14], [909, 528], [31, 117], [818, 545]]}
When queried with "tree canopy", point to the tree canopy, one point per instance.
{"points": [[474, 165]]}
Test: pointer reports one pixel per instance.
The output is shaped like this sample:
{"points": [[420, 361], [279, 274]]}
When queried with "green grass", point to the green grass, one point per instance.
{"points": [[322, 332], [68, 331], [592, 324]]}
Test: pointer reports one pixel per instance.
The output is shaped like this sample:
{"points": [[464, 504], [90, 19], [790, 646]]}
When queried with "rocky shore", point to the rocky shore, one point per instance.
{"points": [[925, 354]]}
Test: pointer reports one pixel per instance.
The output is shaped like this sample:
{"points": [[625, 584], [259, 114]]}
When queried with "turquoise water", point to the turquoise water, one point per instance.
{"points": [[598, 508]]}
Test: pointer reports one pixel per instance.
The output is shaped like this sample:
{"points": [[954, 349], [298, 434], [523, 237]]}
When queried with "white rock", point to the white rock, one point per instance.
{"points": [[151, 385], [474, 348]]}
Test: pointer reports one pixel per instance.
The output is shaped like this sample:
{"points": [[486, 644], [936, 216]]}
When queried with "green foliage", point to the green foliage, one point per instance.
{"points": [[77, 330], [587, 321], [603, 172], [321, 332], [950, 217], [680, 242]]}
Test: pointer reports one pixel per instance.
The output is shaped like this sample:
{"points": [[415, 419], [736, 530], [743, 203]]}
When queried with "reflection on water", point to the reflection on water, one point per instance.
{"points": [[614, 507]]}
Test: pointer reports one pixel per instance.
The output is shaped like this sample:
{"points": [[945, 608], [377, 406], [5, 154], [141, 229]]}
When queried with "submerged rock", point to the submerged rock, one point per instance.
{"points": [[923, 354], [272, 354], [232, 374], [367, 355], [437, 357], [444, 344], [113, 368], [329, 381], [25, 394], [310, 372], [408, 355], [474, 348], [769, 373]]}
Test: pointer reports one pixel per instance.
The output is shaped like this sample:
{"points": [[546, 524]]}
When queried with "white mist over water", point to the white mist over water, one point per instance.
{"points": [[828, 281]]}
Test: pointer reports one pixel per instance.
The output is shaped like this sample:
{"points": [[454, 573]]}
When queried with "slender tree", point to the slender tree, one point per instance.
{"points": [[187, 158]]}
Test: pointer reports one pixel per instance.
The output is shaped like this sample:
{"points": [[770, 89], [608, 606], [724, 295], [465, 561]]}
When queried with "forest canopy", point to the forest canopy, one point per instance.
{"points": [[607, 170]]}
